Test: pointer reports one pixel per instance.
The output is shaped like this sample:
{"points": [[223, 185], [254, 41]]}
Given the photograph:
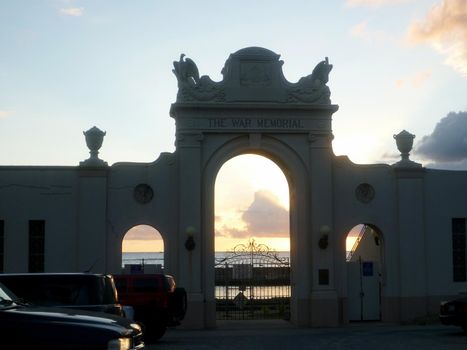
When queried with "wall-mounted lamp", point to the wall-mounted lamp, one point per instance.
{"points": [[190, 240], [324, 239]]}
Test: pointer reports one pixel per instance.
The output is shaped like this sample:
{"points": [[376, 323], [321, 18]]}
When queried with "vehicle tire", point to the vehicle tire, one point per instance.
{"points": [[465, 328], [178, 303], [154, 331]]}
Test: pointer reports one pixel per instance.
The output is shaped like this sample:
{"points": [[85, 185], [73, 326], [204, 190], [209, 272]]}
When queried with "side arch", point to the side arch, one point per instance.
{"points": [[115, 239], [364, 272], [154, 244], [128, 226]]}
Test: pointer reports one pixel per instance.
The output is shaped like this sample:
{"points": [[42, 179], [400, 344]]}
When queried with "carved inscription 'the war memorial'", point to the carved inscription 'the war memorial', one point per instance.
{"points": [[256, 123], [253, 96]]}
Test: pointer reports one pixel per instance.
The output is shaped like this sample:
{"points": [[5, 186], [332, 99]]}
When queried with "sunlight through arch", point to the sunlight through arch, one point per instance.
{"points": [[251, 201], [252, 240], [143, 245], [365, 278]]}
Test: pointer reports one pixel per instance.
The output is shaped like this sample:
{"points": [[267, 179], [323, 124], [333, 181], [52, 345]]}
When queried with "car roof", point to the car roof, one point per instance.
{"points": [[142, 275], [49, 274]]}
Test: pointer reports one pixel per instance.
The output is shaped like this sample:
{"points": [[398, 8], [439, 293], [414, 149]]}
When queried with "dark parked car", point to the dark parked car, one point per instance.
{"points": [[84, 291], [156, 301], [24, 326], [454, 312]]}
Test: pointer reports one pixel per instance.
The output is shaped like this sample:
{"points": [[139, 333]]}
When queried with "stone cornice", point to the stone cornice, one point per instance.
{"points": [[181, 110]]}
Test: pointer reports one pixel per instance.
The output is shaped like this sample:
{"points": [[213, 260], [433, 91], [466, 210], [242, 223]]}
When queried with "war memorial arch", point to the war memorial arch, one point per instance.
{"points": [[80, 214]]}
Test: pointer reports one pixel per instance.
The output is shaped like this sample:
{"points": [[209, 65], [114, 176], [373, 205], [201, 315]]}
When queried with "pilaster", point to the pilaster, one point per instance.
{"points": [[323, 296], [92, 213], [412, 240], [190, 247]]}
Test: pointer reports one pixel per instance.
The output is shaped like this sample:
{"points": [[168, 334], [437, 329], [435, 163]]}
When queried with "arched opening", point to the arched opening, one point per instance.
{"points": [[252, 240], [142, 250], [364, 260]]}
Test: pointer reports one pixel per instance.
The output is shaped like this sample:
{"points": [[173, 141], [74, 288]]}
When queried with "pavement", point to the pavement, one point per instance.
{"points": [[282, 335]]}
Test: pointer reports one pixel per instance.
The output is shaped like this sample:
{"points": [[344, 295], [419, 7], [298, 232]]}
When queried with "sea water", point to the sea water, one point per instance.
{"points": [[149, 258]]}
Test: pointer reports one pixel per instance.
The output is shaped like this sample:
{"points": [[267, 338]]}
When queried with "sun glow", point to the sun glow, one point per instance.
{"points": [[279, 244], [252, 201], [138, 246], [142, 238], [352, 237]]}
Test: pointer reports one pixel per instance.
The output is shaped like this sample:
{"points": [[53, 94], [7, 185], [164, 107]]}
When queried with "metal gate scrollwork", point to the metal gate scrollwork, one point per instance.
{"points": [[252, 282]]}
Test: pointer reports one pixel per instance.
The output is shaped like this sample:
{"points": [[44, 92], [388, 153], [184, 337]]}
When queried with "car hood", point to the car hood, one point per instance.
{"points": [[89, 318], [455, 301]]}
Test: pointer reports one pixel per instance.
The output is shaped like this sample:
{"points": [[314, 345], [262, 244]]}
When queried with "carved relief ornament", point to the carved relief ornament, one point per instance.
{"points": [[252, 74]]}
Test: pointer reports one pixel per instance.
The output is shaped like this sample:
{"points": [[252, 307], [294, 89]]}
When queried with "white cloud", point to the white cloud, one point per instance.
{"points": [[72, 11], [373, 3], [416, 80], [362, 31], [4, 114], [445, 29]]}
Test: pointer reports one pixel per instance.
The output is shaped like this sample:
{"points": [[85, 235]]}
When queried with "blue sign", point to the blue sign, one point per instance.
{"points": [[367, 268]]}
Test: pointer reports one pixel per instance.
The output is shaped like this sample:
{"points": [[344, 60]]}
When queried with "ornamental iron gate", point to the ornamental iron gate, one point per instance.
{"points": [[252, 282]]}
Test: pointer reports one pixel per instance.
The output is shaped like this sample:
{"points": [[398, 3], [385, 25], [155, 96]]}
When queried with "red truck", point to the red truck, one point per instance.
{"points": [[156, 301]]}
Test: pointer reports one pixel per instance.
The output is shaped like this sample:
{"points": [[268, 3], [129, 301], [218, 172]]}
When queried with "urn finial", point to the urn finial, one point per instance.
{"points": [[94, 138], [404, 142]]}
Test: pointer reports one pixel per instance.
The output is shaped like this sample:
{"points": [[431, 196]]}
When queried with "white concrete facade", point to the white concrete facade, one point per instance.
{"points": [[87, 209]]}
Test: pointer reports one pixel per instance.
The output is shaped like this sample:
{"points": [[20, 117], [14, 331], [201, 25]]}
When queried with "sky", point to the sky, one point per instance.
{"points": [[67, 65]]}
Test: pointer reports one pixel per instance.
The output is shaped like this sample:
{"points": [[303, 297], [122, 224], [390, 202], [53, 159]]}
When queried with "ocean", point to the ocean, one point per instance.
{"points": [[149, 258]]}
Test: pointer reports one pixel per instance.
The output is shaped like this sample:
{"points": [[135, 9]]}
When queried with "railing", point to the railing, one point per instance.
{"points": [[357, 242], [252, 282], [143, 261]]}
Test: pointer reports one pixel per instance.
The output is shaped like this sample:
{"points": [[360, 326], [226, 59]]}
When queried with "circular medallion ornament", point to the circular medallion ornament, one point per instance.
{"points": [[143, 193], [365, 193]]}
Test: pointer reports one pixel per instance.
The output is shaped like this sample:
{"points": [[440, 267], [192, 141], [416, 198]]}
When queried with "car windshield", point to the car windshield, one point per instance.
{"points": [[60, 290], [6, 297]]}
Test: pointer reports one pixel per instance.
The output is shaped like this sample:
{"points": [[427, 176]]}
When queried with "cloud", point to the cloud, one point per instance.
{"points": [[373, 3], [72, 11], [362, 31], [265, 217], [142, 232], [462, 165], [447, 144], [416, 80], [445, 29], [389, 157], [231, 231], [4, 114]]}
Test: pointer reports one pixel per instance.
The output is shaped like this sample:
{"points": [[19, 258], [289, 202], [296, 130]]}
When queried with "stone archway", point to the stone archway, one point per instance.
{"points": [[252, 240], [296, 175], [255, 110]]}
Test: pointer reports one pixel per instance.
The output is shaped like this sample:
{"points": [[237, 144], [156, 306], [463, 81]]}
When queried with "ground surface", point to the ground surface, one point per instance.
{"points": [[279, 335]]}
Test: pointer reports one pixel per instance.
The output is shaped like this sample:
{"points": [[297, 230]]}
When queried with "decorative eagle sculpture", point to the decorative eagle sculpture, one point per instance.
{"points": [[311, 89], [186, 70]]}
